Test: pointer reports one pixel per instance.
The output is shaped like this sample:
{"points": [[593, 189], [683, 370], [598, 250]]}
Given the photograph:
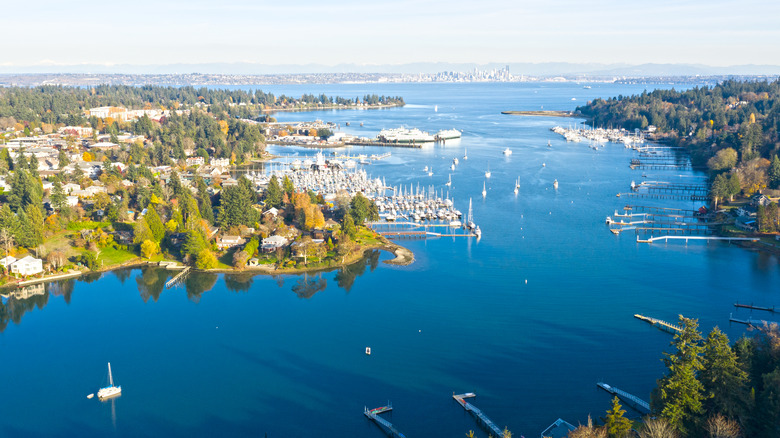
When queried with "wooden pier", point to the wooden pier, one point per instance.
{"points": [[411, 230], [630, 399], [487, 422], [661, 324], [178, 278], [686, 238], [750, 322], [373, 415], [752, 307]]}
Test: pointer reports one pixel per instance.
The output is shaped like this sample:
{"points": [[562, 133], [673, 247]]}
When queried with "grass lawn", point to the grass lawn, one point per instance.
{"points": [[113, 256]]}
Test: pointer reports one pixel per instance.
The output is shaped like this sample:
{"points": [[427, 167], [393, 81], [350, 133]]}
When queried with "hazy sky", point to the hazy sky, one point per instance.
{"points": [[713, 32]]}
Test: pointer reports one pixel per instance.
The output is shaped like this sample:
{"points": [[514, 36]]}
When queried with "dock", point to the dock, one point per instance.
{"points": [[373, 415], [750, 322], [487, 422], [178, 278], [752, 307], [661, 324], [413, 230], [630, 399], [686, 238]]}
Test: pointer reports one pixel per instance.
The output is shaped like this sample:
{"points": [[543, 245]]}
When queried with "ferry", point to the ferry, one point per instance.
{"points": [[404, 135], [447, 134]]}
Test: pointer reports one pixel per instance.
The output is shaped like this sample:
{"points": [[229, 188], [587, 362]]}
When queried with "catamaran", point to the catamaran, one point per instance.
{"points": [[110, 390]]}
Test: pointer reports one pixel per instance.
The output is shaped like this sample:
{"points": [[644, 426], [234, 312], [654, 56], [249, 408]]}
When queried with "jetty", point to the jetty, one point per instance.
{"points": [[752, 307], [178, 278], [373, 415], [412, 230], [487, 422], [661, 324], [750, 322], [686, 238], [635, 402]]}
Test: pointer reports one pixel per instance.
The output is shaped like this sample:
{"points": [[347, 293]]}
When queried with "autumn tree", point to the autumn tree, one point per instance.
{"points": [[206, 260], [149, 249], [724, 159]]}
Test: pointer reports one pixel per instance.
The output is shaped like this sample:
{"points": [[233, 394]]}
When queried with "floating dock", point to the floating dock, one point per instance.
{"points": [[487, 422], [686, 238], [661, 324], [373, 415], [630, 399], [751, 322], [178, 278], [752, 307]]}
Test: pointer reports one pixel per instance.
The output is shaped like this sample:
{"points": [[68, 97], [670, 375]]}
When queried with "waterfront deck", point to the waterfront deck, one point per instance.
{"points": [[373, 415], [635, 402], [487, 422], [178, 278], [661, 324]]}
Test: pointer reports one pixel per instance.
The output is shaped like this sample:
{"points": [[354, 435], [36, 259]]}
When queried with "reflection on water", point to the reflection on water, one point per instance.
{"points": [[151, 284]]}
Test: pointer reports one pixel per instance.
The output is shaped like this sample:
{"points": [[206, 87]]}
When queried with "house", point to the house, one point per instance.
{"points": [[195, 161], [273, 212], [745, 223], [254, 261], [72, 201], [760, 200], [69, 187], [270, 244], [27, 266], [7, 261], [104, 145], [226, 242]]}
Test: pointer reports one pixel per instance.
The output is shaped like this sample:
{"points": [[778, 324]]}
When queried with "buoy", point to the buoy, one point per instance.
{"points": [[526, 281]]}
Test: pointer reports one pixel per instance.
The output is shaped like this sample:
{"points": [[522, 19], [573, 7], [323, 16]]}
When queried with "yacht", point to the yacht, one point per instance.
{"points": [[507, 151], [110, 390], [368, 351], [403, 135]]}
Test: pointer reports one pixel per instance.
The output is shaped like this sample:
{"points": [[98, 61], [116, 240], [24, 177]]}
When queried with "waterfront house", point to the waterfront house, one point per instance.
{"points": [[226, 242], [760, 200], [7, 261], [272, 243], [27, 266]]}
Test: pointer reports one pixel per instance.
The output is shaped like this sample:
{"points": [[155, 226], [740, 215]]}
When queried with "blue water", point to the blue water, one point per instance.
{"points": [[529, 318]]}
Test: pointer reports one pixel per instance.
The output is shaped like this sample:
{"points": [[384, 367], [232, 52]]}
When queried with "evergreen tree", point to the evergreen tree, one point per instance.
{"points": [[194, 242], [348, 227], [25, 235], [176, 185], [32, 166], [236, 207], [58, 198], [618, 426], [774, 173], [204, 201], [679, 394], [288, 187], [722, 376], [24, 190], [273, 193], [35, 224], [155, 224], [142, 233]]}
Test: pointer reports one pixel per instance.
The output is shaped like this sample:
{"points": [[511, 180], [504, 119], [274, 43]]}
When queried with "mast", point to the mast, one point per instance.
{"points": [[110, 377]]}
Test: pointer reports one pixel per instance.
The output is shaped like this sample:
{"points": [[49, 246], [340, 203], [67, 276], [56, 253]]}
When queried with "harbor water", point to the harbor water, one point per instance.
{"points": [[529, 317]]}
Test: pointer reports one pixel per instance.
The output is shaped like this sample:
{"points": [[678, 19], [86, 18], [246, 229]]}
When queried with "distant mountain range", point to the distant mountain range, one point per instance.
{"points": [[530, 69]]}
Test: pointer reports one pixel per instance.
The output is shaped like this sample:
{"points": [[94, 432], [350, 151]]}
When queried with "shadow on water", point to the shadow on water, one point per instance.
{"points": [[197, 283], [151, 283], [345, 277]]}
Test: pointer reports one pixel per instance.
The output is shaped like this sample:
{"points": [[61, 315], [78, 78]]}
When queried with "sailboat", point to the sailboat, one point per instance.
{"points": [[549, 145], [487, 172], [110, 390], [470, 217], [555, 184], [449, 181], [484, 192], [465, 154], [517, 186]]}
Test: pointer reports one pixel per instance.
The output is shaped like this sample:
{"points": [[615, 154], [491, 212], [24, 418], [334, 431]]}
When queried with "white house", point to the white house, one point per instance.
{"points": [[70, 187], [272, 243], [226, 242], [7, 261], [72, 201], [27, 266]]}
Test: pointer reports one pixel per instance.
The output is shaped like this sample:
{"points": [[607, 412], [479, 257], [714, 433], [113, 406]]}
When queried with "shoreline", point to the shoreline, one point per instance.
{"points": [[544, 113]]}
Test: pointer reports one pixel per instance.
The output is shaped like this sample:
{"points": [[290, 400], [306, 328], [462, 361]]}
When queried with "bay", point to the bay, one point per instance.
{"points": [[530, 317]]}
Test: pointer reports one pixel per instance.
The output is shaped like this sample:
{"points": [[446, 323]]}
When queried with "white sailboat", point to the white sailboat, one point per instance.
{"points": [[517, 186], [449, 181], [465, 154], [484, 192], [555, 184], [110, 390], [487, 172], [507, 151]]}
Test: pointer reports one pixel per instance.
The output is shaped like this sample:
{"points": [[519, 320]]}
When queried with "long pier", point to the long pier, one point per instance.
{"points": [[752, 307], [411, 232], [750, 322], [373, 415], [178, 278], [686, 238], [661, 324], [489, 424], [629, 398]]}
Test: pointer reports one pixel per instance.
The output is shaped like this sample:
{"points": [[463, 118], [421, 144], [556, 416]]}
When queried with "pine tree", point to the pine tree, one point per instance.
{"points": [[679, 394], [774, 173], [273, 193], [616, 423], [58, 198], [155, 224], [204, 201]]}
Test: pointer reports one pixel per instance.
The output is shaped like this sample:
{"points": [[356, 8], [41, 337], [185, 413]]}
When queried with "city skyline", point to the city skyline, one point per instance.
{"points": [[716, 33]]}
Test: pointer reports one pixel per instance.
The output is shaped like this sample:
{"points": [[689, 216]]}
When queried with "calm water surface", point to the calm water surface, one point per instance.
{"points": [[529, 318]]}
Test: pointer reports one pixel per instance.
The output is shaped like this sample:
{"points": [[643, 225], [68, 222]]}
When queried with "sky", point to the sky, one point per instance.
{"points": [[161, 32]]}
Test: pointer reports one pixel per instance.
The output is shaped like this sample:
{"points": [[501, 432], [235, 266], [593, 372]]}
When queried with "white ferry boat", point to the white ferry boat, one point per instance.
{"points": [[447, 134], [404, 135]]}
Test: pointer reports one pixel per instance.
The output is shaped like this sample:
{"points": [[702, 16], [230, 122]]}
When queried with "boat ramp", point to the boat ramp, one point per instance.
{"points": [[487, 422], [373, 415], [632, 400], [661, 324]]}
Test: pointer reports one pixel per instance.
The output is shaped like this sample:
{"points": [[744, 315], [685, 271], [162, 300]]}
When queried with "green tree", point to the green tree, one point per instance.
{"points": [[155, 224], [774, 173], [722, 376], [35, 224], [360, 208], [618, 426], [288, 187], [348, 227], [142, 233], [204, 201], [252, 246], [206, 260], [723, 160], [735, 185], [236, 207], [239, 259], [273, 193], [58, 198], [720, 188], [194, 242], [679, 395]]}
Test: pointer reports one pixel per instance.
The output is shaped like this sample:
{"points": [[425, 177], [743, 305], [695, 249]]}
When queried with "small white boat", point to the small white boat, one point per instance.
{"points": [[110, 390], [555, 184], [449, 182], [507, 151], [90, 396], [484, 191], [544, 165], [549, 145], [425, 169], [455, 161], [455, 223], [452, 167], [465, 154], [430, 172], [477, 232], [516, 190], [368, 351], [487, 173], [517, 183]]}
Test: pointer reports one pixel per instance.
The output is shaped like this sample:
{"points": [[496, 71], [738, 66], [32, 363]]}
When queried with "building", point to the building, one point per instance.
{"points": [[227, 242], [272, 243], [195, 161], [27, 266], [7, 261]]}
